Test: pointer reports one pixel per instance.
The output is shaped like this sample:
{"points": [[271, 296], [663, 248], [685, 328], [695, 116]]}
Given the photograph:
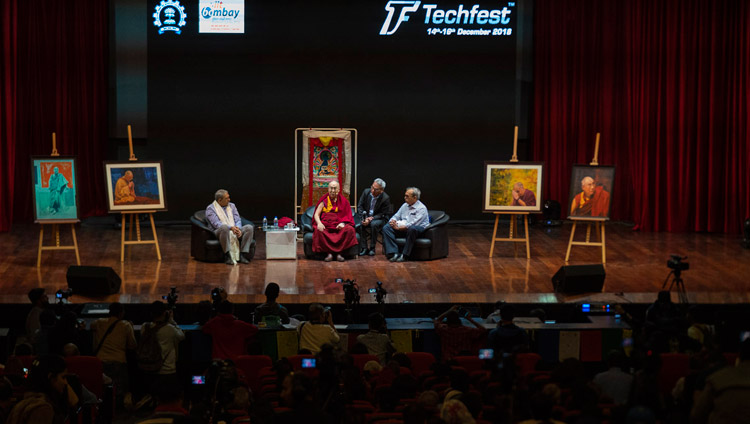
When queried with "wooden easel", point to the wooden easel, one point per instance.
{"points": [[134, 219], [57, 245], [55, 227], [598, 223], [513, 215]]}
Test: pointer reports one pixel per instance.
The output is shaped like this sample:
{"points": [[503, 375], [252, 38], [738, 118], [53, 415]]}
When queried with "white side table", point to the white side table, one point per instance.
{"points": [[281, 243]]}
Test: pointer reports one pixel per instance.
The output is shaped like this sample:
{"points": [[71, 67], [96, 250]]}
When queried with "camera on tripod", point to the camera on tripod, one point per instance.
{"points": [[379, 292], [676, 263], [351, 292], [171, 297], [63, 294]]}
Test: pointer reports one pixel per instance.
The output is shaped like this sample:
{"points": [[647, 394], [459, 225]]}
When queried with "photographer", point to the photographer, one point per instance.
{"points": [[455, 338], [167, 336], [507, 337], [318, 331], [376, 340], [229, 334]]}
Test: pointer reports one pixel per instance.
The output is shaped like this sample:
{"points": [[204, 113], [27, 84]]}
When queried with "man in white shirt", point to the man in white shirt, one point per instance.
{"points": [[410, 220], [318, 331], [226, 222]]}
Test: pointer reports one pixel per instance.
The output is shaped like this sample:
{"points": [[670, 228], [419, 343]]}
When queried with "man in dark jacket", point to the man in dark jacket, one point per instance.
{"points": [[375, 208]]}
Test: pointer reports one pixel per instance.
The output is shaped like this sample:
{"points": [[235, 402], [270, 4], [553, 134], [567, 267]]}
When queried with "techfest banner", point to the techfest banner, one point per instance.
{"points": [[449, 19]]}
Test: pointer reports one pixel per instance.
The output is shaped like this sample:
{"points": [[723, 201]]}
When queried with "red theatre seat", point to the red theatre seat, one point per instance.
{"points": [[251, 366], [89, 371], [360, 359], [420, 362], [470, 363], [673, 366]]}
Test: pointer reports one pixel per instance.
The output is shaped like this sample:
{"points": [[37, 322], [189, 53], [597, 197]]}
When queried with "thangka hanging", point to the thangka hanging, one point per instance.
{"points": [[326, 157]]}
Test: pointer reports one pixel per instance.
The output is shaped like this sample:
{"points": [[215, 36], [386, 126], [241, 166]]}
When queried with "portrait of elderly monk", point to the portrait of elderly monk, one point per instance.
{"points": [[334, 224], [125, 189], [522, 197], [57, 185], [593, 200]]}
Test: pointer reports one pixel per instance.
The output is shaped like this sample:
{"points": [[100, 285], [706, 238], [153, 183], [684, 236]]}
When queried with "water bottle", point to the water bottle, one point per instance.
{"points": [[275, 222], [265, 223]]}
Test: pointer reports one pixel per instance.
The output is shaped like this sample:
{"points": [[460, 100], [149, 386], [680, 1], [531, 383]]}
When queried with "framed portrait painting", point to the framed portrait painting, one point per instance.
{"points": [[513, 186], [135, 186], [590, 192], [54, 188]]}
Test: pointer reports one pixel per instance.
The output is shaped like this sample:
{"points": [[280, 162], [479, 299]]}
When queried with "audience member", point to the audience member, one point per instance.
{"points": [[725, 397], [49, 398], [6, 398], [67, 330], [39, 302], [615, 384], [48, 320], [169, 409], [376, 339], [455, 338], [300, 394], [270, 307], [318, 331], [168, 335], [229, 334], [507, 337], [113, 338], [541, 410]]}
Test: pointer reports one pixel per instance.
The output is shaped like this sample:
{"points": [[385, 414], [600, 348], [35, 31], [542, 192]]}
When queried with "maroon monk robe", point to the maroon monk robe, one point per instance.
{"points": [[333, 240]]}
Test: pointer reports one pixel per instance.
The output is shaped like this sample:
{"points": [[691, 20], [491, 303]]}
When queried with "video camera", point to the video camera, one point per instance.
{"points": [[676, 263], [171, 297], [379, 292], [63, 294], [351, 291]]}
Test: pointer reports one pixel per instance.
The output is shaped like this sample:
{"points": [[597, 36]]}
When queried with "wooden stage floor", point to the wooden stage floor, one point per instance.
{"points": [[636, 268]]}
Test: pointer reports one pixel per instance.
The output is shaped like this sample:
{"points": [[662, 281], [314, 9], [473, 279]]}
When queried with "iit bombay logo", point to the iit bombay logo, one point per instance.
{"points": [[168, 10]]}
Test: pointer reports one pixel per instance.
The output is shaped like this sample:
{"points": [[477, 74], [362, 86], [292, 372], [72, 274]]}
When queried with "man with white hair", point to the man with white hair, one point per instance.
{"points": [[411, 220], [593, 200], [375, 208], [234, 237]]}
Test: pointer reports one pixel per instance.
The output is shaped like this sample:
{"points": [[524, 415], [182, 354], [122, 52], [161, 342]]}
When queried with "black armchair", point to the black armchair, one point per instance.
{"points": [[433, 242], [204, 246], [307, 235]]}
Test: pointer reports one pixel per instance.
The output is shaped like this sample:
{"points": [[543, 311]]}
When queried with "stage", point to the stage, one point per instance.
{"points": [[635, 270]]}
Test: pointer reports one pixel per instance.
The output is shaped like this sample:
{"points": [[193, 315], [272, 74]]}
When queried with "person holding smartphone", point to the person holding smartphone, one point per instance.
{"points": [[318, 331], [455, 337]]}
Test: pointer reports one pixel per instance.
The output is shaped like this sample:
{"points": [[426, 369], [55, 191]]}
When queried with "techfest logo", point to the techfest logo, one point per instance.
{"points": [[399, 12]]}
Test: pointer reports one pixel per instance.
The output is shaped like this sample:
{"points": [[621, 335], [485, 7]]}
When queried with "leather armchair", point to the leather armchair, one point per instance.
{"points": [[306, 221], [433, 242], [204, 246]]}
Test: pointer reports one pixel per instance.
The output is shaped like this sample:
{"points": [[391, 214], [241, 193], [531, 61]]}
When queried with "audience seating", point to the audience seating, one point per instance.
{"points": [[90, 372], [306, 224], [526, 362], [420, 362], [433, 242], [251, 365], [673, 367], [361, 359], [470, 363], [204, 246]]}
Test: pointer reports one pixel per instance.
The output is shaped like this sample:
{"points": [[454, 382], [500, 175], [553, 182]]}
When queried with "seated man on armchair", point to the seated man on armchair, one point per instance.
{"points": [[234, 237], [410, 221], [333, 224]]}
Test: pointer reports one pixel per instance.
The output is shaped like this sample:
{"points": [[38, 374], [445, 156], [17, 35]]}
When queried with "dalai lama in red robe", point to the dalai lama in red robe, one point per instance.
{"points": [[334, 225]]}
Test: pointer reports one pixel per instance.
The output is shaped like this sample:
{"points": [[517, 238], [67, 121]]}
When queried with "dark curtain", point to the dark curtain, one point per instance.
{"points": [[666, 84], [54, 76]]}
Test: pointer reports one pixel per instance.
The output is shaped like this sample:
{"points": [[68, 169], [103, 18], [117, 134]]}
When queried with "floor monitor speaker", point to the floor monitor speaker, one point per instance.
{"points": [[579, 279], [93, 280]]}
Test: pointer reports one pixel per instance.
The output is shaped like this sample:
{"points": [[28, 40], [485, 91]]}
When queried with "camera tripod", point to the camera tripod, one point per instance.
{"points": [[678, 284]]}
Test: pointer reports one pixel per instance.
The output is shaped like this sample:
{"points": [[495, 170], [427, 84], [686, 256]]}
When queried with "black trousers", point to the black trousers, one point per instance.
{"points": [[370, 231]]}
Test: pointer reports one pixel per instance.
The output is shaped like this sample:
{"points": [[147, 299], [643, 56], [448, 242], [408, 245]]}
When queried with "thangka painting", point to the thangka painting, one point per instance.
{"points": [[326, 157], [54, 188], [135, 186], [591, 191], [513, 186]]}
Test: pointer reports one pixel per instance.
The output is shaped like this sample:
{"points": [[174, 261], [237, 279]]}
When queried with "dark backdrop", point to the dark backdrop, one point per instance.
{"points": [[429, 109]]}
